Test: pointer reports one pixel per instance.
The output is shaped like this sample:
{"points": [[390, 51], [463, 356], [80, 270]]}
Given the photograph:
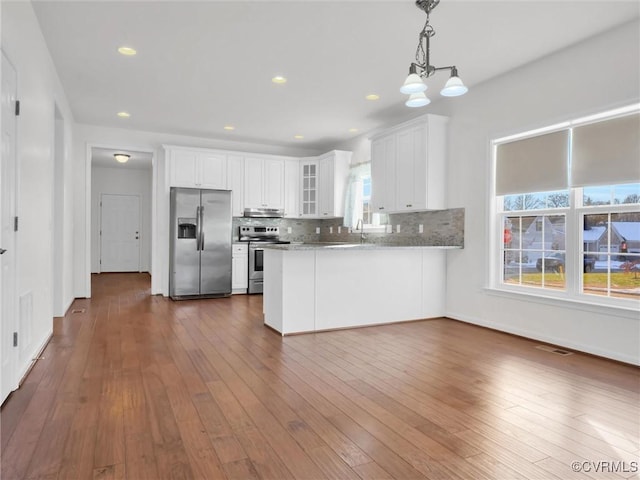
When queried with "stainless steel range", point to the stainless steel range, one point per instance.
{"points": [[258, 236]]}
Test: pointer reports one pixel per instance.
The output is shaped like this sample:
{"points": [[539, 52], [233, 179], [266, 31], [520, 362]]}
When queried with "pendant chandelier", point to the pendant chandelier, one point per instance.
{"points": [[414, 85]]}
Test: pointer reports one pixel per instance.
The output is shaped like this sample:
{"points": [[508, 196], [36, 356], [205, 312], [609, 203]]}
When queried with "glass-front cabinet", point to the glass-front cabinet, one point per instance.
{"points": [[309, 188]]}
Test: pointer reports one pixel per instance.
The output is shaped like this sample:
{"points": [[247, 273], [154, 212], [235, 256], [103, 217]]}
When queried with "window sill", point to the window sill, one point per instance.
{"points": [[374, 229], [621, 308]]}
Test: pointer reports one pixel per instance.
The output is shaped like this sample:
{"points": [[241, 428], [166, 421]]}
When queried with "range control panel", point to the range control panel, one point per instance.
{"points": [[249, 232]]}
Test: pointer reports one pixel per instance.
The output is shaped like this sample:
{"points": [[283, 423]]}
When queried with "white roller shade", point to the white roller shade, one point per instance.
{"points": [[607, 152], [536, 164]]}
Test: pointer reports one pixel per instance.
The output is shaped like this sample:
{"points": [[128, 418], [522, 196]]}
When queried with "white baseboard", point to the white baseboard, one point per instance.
{"points": [[534, 335]]}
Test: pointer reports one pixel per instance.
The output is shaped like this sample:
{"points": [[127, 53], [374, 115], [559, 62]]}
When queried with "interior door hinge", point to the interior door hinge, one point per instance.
{"points": [[15, 339], [15, 224], [17, 108]]}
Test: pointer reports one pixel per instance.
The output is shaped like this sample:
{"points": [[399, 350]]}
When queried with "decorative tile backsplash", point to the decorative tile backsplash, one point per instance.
{"points": [[439, 227]]}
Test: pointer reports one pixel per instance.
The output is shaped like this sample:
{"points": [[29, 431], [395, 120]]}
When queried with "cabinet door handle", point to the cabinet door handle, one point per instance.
{"points": [[380, 208], [409, 205]]}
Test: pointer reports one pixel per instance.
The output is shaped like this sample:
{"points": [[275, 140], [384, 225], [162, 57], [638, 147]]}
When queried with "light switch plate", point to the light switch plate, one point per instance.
{"points": [[339, 229], [397, 228], [330, 229], [288, 229], [318, 230], [421, 228]]}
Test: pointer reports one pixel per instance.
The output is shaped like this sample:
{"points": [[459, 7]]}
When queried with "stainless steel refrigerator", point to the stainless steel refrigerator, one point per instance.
{"points": [[200, 250]]}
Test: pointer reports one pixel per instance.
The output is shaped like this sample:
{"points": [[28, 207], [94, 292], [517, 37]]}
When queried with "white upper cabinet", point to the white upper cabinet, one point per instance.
{"points": [[383, 170], [235, 182], [197, 168], [309, 188], [323, 181], [408, 166], [263, 182], [292, 188], [333, 169]]}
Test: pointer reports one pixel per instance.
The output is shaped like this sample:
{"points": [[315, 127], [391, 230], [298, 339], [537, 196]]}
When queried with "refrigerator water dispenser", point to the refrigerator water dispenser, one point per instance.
{"points": [[186, 228]]}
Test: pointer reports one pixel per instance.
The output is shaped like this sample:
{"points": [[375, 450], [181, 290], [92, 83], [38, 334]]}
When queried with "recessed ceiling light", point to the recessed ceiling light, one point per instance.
{"points": [[279, 79], [229, 128], [298, 137], [372, 96], [128, 51], [124, 114], [353, 130]]}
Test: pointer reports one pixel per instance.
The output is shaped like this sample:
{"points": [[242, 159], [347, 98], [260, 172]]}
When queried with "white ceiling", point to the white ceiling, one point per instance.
{"points": [[204, 64]]}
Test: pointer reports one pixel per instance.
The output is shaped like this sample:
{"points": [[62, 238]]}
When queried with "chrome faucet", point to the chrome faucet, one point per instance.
{"points": [[360, 226]]}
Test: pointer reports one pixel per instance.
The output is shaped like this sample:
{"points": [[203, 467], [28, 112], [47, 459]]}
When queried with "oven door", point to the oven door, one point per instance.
{"points": [[256, 261]]}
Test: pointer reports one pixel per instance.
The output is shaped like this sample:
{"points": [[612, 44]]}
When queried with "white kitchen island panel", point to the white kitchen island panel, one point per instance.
{"points": [[288, 298], [324, 288]]}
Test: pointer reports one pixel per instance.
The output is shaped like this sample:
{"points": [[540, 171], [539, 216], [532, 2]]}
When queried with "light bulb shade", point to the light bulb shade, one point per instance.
{"points": [[122, 157], [454, 87], [413, 84], [417, 100]]}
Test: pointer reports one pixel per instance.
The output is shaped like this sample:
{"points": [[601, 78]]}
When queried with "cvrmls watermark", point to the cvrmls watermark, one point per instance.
{"points": [[604, 466]]}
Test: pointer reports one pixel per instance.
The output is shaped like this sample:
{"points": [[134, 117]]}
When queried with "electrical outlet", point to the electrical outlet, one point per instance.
{"points": [[289, 229], [318, 230], [330, 229], [421, 228], [389, 228], [397, 228]]}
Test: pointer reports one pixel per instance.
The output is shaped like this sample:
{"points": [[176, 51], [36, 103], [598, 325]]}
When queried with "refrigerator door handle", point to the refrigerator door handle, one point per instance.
{"points": [[198, 228], [202, 228]]}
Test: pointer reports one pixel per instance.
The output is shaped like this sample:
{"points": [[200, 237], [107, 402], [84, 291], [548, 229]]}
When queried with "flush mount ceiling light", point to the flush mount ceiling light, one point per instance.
{"points": [[128, 51], [124, 114], [121, 157], [420, 69], [279, 80]]}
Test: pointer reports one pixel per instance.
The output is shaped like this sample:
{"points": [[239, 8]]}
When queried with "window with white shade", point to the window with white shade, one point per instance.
{"points": [[567, 203]]}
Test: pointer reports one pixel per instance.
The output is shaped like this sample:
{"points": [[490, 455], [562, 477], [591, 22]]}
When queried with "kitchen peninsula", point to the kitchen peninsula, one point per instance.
{"points": [[315, 287]]}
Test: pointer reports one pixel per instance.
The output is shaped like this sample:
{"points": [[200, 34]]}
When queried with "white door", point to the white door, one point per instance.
{"points": [[8, 353], [119, 233]]}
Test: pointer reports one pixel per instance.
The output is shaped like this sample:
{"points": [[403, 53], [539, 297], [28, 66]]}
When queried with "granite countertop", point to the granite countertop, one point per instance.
{"points": [[351, 246]]}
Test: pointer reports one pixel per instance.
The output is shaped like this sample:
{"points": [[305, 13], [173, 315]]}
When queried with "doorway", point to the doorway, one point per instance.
{"points": [[121, 210], [119, 233]]}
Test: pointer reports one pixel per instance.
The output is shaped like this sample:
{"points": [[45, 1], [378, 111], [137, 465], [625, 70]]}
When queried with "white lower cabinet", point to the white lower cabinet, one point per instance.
{"points": [[326, 289], [239, 268]]}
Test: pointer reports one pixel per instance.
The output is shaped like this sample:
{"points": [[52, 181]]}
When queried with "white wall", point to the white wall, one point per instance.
{"points": [[39, 90], [123, 182], [86, 136], [593, 76]]}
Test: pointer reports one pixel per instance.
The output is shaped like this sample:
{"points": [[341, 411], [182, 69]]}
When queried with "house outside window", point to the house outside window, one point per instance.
{"points": [[581, 241]]}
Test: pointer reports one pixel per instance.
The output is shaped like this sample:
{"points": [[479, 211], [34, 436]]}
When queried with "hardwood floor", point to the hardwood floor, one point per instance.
{"points": [[139, 387]]}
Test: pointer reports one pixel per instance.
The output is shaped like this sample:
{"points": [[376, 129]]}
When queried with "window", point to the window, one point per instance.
{"points": [[581, 239], [367, 216], [358, 200]]}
